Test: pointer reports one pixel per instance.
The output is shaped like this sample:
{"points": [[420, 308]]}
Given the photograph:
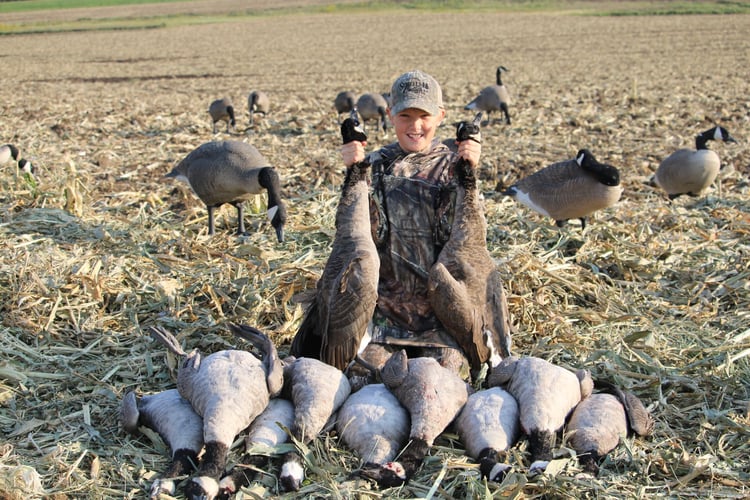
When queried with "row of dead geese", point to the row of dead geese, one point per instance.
{"points": [[391, 425]]}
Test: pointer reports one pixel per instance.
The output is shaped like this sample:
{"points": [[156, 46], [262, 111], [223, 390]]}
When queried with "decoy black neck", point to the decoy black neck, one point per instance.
{"points": [[605, 174], [269, 179], [701, 140], [498, 76]]}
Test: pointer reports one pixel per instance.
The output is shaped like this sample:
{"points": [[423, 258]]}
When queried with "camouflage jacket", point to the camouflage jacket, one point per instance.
{"points": [[411, 210]]}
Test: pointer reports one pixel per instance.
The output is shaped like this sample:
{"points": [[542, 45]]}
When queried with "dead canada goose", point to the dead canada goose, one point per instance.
{"points": [[374, 424], [267, 431], [434, 396], [258, 102], [344, 103], [601, 420], [232, 172], [8, 151], [492, 98], [228, 389], [488, 424], [335, 326], [179, 426], [373, 106], [691, 171], [571, 189], [464, 285], [222, 110], [546, 395]]}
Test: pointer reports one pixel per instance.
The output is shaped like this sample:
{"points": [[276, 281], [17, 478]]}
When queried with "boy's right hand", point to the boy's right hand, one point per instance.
{"points": [[353, 152]]}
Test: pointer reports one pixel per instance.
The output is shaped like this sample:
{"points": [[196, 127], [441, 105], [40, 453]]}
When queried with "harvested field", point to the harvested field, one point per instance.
{"points": [[653, 295]]}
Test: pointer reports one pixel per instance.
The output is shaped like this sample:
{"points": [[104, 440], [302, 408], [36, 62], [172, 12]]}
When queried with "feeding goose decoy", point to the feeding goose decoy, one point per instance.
{"points": [[8, 151], [600, 421], [464, 285], [373, 423], [487, 425], [228, 389], [231, 172], [179, 426], [344, 102], [335, 326], [373, 106], [571, 189], [691, 171], [222, 110], [258, 102], [434, 396], [546, 394], [493, 98]]}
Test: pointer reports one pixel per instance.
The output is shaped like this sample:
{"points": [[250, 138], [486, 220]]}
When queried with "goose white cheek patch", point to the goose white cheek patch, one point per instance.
{"points": [[272, 212]]}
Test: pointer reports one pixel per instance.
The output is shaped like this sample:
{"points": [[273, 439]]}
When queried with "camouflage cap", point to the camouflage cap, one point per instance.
{"points": [[416, 89]]}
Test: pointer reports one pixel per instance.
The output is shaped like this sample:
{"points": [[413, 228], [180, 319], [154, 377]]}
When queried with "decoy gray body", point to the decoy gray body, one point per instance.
{"points": [[546, 394], [434, 396], [335, 326], [228, 389], [231, 172], [691, 171], [8, 151], [373, 106], [488, 424], [179, 426], [464, 285], [373, 423], [222, 110], [571, 189], [601, 420], [258, 102], [492, 98], [344, 102]]}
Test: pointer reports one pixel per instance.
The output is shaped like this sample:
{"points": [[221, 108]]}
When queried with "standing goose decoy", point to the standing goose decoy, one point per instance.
{"points": [[374, 424], [258, 102], [546, 395], [179, 426], [691, 171], [464, 286], [266, 432], [231, 172], [8, 151], [492, 98], [228, 389], [488, 424], [434, 396], [222, 110], [344, 103], [335, 327], [601, 420], [571, 189], [372, 106]]}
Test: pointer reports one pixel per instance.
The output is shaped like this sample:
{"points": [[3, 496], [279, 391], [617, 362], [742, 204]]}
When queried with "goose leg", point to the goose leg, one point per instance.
{"points": [[240, 218], [211, 227]]}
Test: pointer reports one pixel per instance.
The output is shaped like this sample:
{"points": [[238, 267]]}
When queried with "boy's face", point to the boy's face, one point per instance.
{"points": [[415, 129]]}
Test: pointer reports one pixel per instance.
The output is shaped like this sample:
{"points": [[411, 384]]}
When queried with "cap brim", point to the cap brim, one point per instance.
{"points": [[429, 107]]}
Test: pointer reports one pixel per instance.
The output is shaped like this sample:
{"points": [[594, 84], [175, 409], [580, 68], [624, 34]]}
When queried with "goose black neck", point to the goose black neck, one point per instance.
{"points": [[605, 174], [701, 140], [268, 178]]}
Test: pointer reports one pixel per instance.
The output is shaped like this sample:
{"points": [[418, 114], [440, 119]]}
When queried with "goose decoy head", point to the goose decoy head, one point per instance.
{"points": [[606, 174], [351, 130], [722, 134], [469, 130]]}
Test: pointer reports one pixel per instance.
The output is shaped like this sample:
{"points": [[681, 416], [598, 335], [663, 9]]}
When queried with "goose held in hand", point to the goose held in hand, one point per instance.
{"points": [[222, 110], [571, 189], [691, 171], [231, 172]]}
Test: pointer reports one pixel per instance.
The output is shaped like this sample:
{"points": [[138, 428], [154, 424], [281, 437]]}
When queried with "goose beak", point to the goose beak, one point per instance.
{"points": [[280, 234]]}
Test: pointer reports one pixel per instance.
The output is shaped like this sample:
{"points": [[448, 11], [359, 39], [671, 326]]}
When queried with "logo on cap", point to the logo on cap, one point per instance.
{"points": [[415, 87]]}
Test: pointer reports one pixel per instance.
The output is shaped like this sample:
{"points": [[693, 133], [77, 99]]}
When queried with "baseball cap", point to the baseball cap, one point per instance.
{"points": [[416, 89]]}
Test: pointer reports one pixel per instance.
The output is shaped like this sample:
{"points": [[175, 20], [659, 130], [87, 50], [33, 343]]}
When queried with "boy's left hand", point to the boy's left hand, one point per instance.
{"points": [[470, 151]]}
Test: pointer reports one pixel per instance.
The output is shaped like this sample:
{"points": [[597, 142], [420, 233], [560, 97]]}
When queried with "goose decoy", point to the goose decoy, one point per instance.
{"points": [[546, 394], [8, 151], [571, 189], [334, 329], [222, 110], [434, 396], [373, 106], [344, 103], [488, 424], [601, 420], [231, 172], [228, 389], [268, 430], [464, 285], [492, 98], [258, 102], [26, 167], [178, 425], [373, 423], [691, 171]]}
